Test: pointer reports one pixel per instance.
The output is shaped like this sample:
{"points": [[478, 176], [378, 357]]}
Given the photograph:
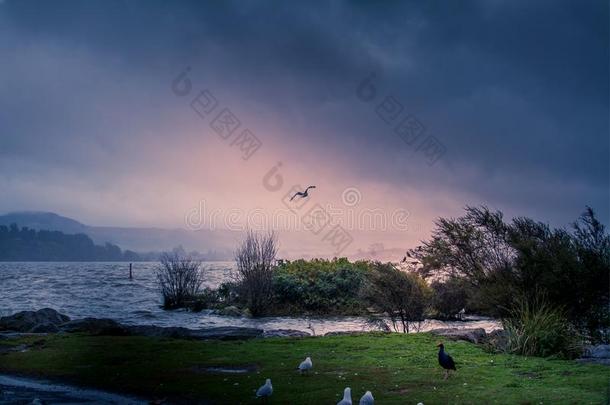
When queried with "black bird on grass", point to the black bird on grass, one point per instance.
{"points": [[302, 194], [445, 360]]}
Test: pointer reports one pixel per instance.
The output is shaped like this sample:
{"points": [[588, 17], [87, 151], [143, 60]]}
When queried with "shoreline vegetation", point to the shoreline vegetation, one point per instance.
{"points": [[547, 286]]}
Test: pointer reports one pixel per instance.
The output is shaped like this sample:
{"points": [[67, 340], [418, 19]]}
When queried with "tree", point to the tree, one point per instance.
{"points": [[403, 297], [525, 258], [449, 297]]}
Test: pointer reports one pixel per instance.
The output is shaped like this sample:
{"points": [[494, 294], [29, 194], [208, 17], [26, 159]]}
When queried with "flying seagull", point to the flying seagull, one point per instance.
{"points": [[445, 360], [347, 397], [305, 365], [302, 194], [367, 399], [266, 390]]}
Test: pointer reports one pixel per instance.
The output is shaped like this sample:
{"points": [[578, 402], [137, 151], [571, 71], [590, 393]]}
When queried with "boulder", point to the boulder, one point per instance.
{"points": [[158, 331], [94, 326], [220, 333], [226, 333], [285, 333], [46, 327], [597, 352], [497, 339], [27, 321], [473, 335]]}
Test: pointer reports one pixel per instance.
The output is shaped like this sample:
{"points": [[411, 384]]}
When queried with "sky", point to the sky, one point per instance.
{"points": [[399, 112]]}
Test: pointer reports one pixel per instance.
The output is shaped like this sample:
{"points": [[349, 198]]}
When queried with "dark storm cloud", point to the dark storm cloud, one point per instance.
{"points": [[516, 91]]}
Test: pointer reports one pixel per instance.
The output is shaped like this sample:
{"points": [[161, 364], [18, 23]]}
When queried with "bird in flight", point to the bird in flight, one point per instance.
{"points": [[302, 194]]}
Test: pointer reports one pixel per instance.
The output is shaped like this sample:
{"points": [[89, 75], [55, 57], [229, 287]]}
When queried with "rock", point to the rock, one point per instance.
{"points": [[231, 310], [94, 326], [46, 327], [597, 352], [226, 333], [474, 335], [285, 333], [221, 333], [497, 339], [592, 360], [157, 331], [26, 321], [343, 333]]}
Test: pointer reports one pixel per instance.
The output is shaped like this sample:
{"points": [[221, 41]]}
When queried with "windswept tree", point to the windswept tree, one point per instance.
{"points": [[521, 260], [255, 257]]}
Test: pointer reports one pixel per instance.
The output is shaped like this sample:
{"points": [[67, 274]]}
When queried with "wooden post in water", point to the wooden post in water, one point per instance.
{"points": [[130, 273]]}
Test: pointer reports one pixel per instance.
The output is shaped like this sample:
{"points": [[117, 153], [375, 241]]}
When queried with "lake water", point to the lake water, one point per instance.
{"points": [[103, 290]]}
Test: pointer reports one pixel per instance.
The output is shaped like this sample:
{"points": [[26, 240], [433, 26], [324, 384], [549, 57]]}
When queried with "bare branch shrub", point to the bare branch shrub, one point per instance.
{"points": [[179, 279], [254, 259]]}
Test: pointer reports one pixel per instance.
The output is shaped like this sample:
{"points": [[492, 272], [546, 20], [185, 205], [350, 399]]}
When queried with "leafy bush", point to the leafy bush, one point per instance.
{"points": [[403, 297], [319, 286], [541, 330], [208, 298], [179, 279]]}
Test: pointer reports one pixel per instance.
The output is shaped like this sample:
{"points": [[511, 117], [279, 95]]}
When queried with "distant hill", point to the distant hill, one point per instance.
{"points": [[212, 245], [26, 244], [43, 220]]}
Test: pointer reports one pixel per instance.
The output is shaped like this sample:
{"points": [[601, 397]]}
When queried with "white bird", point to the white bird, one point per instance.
{"points": [[266, 390], [367, 399], [347, 397], [305, 365]]}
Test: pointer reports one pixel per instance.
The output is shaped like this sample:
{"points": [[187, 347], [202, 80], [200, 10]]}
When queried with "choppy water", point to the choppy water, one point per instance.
{"points": [[103, 290]]}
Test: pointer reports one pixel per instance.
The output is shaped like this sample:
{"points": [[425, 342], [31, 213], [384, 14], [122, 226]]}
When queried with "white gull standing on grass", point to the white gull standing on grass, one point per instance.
{"points": [[266, 390], [347, 397], [367, 399], [305, 365]]}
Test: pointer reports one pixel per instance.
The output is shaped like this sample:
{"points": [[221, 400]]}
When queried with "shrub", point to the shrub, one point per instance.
{"points": [[319, 286], [207, 298], [449, 297], [179, 279], [537, 329], [403, 297], [254, 275]]}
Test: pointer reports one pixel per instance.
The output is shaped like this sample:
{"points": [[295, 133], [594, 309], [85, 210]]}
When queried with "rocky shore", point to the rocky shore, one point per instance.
{"points": [[48, 320]]}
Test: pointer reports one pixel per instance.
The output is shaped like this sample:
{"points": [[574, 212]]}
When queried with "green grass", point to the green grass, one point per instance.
{"points": [[398, 369]]}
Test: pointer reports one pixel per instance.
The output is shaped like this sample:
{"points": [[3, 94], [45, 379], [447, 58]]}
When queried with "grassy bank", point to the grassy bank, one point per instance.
{"points": [[398, 369]]}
